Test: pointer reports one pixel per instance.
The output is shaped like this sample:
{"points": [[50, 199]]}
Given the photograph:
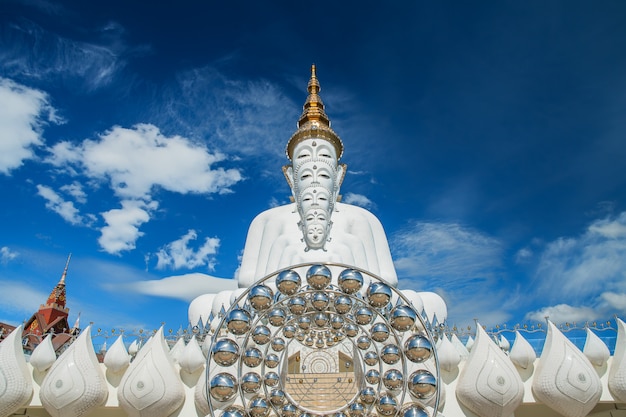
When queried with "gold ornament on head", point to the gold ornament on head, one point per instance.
{"points": [[314, 122]]}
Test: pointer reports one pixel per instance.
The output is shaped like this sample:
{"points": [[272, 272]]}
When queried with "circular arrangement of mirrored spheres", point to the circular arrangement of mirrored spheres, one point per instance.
{"points": [[341, 342]]}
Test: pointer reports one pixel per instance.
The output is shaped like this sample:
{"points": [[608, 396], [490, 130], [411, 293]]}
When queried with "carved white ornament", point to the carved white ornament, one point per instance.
{"points": [[16, 387], [200, 395], [176, 350], [595, 349], [449, 357], [151, 386], [191, 358], [75, 385], [522, 354], [469, 344], [489, 384], [617, 372], [117, 358], [460, 347], [564, 379], [44, 355]]}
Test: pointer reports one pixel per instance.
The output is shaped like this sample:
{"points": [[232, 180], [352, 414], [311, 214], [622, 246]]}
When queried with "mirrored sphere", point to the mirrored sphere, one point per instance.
{"points": [[380, 332], [223, 386], [350, 281], [390, 354], [386, 405], [271, 379], [363, 342], [378, 294], [277, 397], [351, 329], [320, 301], [343, 304], [238, 321], [321, 319], [393, 379], [297, 305], [363, 316], [418, 348], [337, 322], [260, 297], [356, 410], [271, 360], [252, 357], [422, 384], [261, 334], [277, 317], [372, 376], [258, 407], [371, 358], [304, 322], [278, 344], [402, 318], [309, 341], [414, 410], [225, 352], [289, 410], [367, 395], [288, 282], [289, 331], [318, 277], [250, 382], [233, 411], [319, 343]]}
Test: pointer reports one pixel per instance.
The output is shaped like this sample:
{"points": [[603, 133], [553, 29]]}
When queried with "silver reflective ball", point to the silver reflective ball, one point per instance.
{"points": [[422, 384], [261, 334], [289, 410], [223, 386], [371, 358], [402, 318], [289, 331], [378, 294], [320, 301], [278, 344], [414, 410], [363, 342], [238, 321], [258, 407], [356, 410], [304, 322], [260, 297], [297, 305], [277, 317], [337, 322], [418, 348], [271, 360], [288, 282], [225, 352], [309, 341], [250, 382], [321, 319], [393, 379], [343, 304], [252, 357], [372, 376], [319, 343], [351, 329], [386, 405], [277, 397], [271, 379], [234, 411], [380, 332], [318, 277], [390, 354], [350, 281], [363, 316], [367, 395]]}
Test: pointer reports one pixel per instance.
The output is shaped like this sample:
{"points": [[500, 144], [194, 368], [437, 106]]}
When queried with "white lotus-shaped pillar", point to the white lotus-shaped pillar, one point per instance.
{"points": [[449, 357], [489, 384], [44, 355], [75, 385], [617, 372], [565, 380], [459, 346], [200, 395], [16, 387], [117, 358], [191, 358], [151, 386], [595, 349], [522, 354]]}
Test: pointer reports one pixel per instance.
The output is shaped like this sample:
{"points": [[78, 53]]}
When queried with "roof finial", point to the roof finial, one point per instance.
{"points": [[67, 264]]}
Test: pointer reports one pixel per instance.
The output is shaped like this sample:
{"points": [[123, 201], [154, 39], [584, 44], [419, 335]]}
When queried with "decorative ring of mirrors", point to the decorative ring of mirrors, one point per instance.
{"points": [[347, 347]]}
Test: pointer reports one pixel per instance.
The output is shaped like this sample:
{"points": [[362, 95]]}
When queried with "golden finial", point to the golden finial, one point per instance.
{"points": [[314, 123]]}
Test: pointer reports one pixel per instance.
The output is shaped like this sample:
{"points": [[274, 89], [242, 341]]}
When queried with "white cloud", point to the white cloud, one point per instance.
{"points": [[135, 161], [358, 200], [23, 300], [122, 229], [178, 254], [523, 255], [7, 255], [76, 191], [562, 313], [24, 112], [182, 287], [63, 208]]}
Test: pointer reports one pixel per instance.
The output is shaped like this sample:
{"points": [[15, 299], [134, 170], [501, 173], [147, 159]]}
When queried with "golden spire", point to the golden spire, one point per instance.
{"points": [[67, 264], [314, 123]]}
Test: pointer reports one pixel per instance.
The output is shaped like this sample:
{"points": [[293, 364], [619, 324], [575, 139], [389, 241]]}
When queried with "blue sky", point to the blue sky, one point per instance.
{"points": [[489, 139]]}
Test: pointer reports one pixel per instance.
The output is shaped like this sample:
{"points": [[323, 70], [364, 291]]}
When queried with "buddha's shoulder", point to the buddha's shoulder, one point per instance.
{"points": [[279, 213], [351, 211]]}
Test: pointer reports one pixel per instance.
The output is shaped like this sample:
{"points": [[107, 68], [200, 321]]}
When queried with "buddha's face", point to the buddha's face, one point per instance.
{"points": [[314, 177]]}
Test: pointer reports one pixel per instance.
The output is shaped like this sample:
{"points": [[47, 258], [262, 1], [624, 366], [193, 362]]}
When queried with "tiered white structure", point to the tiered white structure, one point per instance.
{"points": [[281, 343]]}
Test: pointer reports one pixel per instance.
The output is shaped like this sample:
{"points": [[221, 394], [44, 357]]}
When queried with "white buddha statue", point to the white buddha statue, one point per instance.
{"points": [[315, 227]]}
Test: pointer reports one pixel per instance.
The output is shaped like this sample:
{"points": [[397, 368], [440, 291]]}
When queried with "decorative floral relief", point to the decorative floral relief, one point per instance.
{"points": [[117, 358], [191, 358], [595, 349], [151, 386], [16, 387], [617, 372], [489, 384], [75, 385], [522, 354], [565, 380], [44, 355]]}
